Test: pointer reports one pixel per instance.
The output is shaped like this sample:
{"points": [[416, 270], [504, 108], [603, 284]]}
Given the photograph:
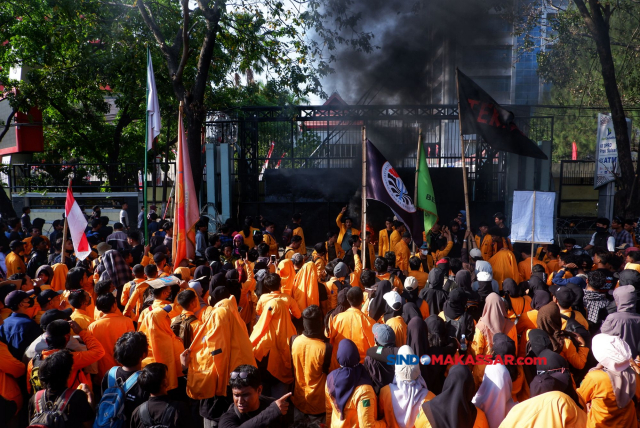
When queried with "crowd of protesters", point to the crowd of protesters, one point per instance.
{"points": [[262, 330]]}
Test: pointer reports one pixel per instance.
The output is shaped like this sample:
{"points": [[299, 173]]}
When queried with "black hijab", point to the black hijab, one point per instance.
{"points": [[409, 312], [463, 279], [484, 289], [439, 344], [452, 408], [535, 283], [455, 306], [418, 340], [378, 304], [313, 327], [217, 280], [553, 375], [629, 277], [435, 295], [540, 298], [538, 341], [510, 286], [203, 271]]}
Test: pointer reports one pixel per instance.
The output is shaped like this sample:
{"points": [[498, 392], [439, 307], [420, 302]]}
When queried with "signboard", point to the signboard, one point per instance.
{"points": [[607, 151], [533, 210]]}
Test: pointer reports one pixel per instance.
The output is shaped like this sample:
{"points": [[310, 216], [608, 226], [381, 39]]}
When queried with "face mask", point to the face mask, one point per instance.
{"points": [[425, 252], [601, 229], [115, 293]]}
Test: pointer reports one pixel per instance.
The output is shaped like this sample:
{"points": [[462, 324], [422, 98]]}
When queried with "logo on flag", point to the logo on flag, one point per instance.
{"points": [[396, 188]]}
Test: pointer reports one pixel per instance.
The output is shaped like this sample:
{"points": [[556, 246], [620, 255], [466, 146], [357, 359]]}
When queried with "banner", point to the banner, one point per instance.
{"points": [[607, 151], [426, 200], [153, 107], [385, 185], [522, 216], [482, 115]]}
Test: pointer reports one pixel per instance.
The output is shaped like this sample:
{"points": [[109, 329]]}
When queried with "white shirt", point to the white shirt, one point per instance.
{"points": [[124, 219]]}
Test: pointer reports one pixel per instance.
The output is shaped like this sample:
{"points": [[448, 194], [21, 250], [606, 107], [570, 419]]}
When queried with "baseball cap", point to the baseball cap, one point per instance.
{"points": [[410, 283], [393, 299], [102, 248], [16, 296], [297, 258], [166, 281], [16, 244], [46, 296], [424, 246], [383, 335], [5, 289], [54, 314], [565, 296], [475, 253], [484, 276], [623, 247]]}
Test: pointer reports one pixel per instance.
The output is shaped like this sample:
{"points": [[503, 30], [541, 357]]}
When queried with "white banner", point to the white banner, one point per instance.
{"points": [[522, 217], [607, 151]]}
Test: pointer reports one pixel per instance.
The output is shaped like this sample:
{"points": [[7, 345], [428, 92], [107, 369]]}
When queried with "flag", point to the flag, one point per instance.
{"points": [[385, 185], [480, 114], [76, 223], [574, 151], [185, 207], [426, 201], [153, 108]]}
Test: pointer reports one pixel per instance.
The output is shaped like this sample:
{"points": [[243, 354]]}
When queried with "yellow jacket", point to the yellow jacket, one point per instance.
{"points": [[248, 240], [287, 275], [272, 243], [354, 325], [305, 286], [339, 251], [399, 327], [307, 357], [302, 249], [597, 391], [361, 411], [552, 409], [393, 241], [403, 253], [15, 264], [10, 370], [343, 230], [384, 244]]}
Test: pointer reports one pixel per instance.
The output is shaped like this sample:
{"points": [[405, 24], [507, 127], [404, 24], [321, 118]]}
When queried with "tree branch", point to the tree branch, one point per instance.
{"points": [[7, 125], [157, 34], [185, 40]]}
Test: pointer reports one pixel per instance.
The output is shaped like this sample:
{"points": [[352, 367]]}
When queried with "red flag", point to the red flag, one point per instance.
{"points": [[185, 212], [574, 151], [77, 223]]}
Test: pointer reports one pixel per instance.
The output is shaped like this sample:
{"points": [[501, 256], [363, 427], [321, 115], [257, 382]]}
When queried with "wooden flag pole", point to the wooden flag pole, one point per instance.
{"points": [[363, 244], [64, 231], [464, 166], [415, 187], [533, 228]]}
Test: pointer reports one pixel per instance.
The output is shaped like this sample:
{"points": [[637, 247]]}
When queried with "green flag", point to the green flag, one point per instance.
{"points": [[425, 200]]}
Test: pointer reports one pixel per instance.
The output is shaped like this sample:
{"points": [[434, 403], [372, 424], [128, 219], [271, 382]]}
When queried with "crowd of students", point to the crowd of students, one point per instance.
{"points": [[467, 330]]}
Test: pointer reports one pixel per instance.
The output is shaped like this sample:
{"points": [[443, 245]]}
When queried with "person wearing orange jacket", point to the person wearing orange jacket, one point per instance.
{"points": [[346, 230], [297, 231], [136, 297], [10, 370], [15, 259], [287, 273], [384, 238], [161, 289], [351, 399], [108, 330], [334, 251], [58, 334], [164, 346], [305, 286], [60, 271], [130, 287], [403, 253], [352, 324]]}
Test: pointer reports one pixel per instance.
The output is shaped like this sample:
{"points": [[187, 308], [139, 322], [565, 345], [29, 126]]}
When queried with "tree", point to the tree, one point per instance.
{"points": [[201, 46], [605, 32]]}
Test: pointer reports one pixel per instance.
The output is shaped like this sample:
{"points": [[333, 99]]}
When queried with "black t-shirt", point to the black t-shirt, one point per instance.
{"points": [[137, 252], [135, 397], [78, 409], [157, 406], [268, 415]]}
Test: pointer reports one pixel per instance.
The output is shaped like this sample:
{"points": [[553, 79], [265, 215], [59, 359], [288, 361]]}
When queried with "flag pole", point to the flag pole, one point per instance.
{"points": [[415, 191], [533, 228], [462, 157], [146, 150], [65, 230], [364, 198]]}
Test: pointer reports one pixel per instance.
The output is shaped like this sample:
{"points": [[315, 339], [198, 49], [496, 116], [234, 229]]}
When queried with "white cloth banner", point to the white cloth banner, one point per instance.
{"points": [[522, 216]]}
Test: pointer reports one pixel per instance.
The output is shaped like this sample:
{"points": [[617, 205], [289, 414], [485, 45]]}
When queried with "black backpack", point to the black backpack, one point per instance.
{"points": [[48, 414], [166, 421], [456, 328], [287, 234], [34, 379], [576, 327], [343, 284], [181, 327]]}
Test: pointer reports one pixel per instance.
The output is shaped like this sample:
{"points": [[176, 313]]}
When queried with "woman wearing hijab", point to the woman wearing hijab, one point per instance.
{"points": [[377, 305], [493, 321], [463, 279], [494, 395], [609, 388], [216, 267], [529, 320], [456, 318], [238, 241], [409, 312], [411, 294], [440, 344], [45, 273], [349, 390], [418, 340], [217, 280], [453, 408], [538, 341], [342, 306], [553, 375], [551, 409], [549, 321], [517, 303], [435, 296], [505, 349], [400, 401]]}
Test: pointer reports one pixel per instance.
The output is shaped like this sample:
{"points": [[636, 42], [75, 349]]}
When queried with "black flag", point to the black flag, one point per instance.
{"points": [[480, 114]]}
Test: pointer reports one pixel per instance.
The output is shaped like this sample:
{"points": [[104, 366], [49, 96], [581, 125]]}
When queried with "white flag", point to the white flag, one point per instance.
{"points": [[153, 108], [77, 223]]}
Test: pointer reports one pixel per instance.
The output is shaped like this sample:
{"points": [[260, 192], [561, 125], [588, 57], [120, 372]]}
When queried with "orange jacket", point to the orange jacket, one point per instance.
{"points": [[126, 290], [10, 370], [524, 268], [287, 275], [343, 230], [402, 256], [504, 266], [164, 346], [15, 264], [59, 279], [82, 318], [108, 330], [393, 241], [396, 282], [135, 301], [399, 327], [248, 297], [302, 249], [272, 333], [305, 286], [361, 410], [490, 248], [420, 276], [81, 359], [307, 357], [220, 344], [383, 242], [351, 324], [320, 263]]}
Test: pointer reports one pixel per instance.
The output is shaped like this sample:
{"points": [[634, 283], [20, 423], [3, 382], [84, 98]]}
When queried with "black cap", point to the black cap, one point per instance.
{"points": [[16, 244], [46, 296], [14, 298], [565, 296], [54, 314], [6, 289]]}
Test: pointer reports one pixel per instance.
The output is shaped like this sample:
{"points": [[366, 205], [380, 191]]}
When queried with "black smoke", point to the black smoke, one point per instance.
{"points": [[407, 35]]}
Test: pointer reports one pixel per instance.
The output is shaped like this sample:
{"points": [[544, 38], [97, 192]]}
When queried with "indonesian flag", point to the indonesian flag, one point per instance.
{"points": [[185, 208], [77, 223]]}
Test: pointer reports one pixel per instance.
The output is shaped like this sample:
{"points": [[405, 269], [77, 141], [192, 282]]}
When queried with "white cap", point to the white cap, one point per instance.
{"points": [[484, 276], [411, 283], [475, 253], [393, 299]]}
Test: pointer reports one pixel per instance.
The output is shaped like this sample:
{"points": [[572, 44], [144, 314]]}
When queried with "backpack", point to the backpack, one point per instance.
{"points": [[287, 234], [181, 326], [36, 362], [48, 414], [166, 421], [455, 328], [110, 411], [576, 327], [343, 284]]}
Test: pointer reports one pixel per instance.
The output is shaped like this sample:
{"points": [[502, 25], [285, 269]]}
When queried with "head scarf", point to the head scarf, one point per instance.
{"points": [[539, 299], [463, 279], [614, 354], [436, 279], [435, 296], [219, 293], [378, 304], [60, 271], [116, 268], [629, 277], [510, 286], [549, 321], [313, 328], [409, 312], [625, 297], [535, 283], [48, 270], [578, 302], [418, 340], [483, 266], [216, 267], [342, 382], [494, 318], [485, 288], [217, 280], [494, 395], [452, 408], [408, 391], [455, 306], [538, 341], [203, 271]]}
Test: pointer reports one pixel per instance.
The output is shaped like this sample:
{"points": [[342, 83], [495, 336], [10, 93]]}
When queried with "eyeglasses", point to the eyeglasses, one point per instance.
{"points": [[241, 375], [561, 370]]}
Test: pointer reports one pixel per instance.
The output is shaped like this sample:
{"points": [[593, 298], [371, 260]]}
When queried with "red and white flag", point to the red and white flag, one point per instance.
{"points": [[77, 223]]}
